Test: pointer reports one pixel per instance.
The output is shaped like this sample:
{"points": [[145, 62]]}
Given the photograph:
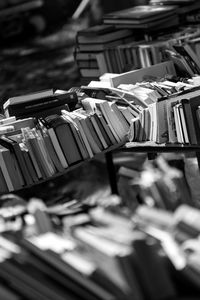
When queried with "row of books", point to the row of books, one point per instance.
{"points": [[95, 40], [99, 53], [171, 120], [36, 149]]}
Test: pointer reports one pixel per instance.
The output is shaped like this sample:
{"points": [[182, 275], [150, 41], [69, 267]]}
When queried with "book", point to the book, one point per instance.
{"points": [[88, 72], [106, 131], [96, 30], [3, 185], [194, 103], [18, 124], [51, 133], [34, 148], [162, 125], [14, 147], [65, 137], [178, 128], [131, 77], [169, 21], [29, 164], [183, 123], [32, 107], [8, 167], [120, 117], [28, 97], [141, 13], [77, 135], [95, 35], [100, 46]]}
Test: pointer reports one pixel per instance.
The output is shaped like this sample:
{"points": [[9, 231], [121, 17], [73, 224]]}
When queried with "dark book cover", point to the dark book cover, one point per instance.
{"points": [[66, 139], [189, 121], [142, 13]]}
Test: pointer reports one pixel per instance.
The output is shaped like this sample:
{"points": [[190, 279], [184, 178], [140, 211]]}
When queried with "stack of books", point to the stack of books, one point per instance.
{"points": [[93, 60], [92, 43]]}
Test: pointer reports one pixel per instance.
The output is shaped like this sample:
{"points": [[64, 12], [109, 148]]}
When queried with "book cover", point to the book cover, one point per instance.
{"points": [[15, 148], [77, 136], [103, 37], [66, 139], [142, 13], [9, 169], [51, 133]]}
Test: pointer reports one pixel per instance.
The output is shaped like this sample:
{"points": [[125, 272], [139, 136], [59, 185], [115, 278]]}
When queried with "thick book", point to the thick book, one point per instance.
{"points": [[85, 38], [9, 169], [37, 105], [29, 165], [194, 102], [141, 13], [77, 134], [66, 139], [14, 147], [162, 125], [57, 147]]}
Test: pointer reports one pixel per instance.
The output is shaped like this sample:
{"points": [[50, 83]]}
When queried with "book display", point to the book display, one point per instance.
{"points": [[141, 95], [150, 42]]}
